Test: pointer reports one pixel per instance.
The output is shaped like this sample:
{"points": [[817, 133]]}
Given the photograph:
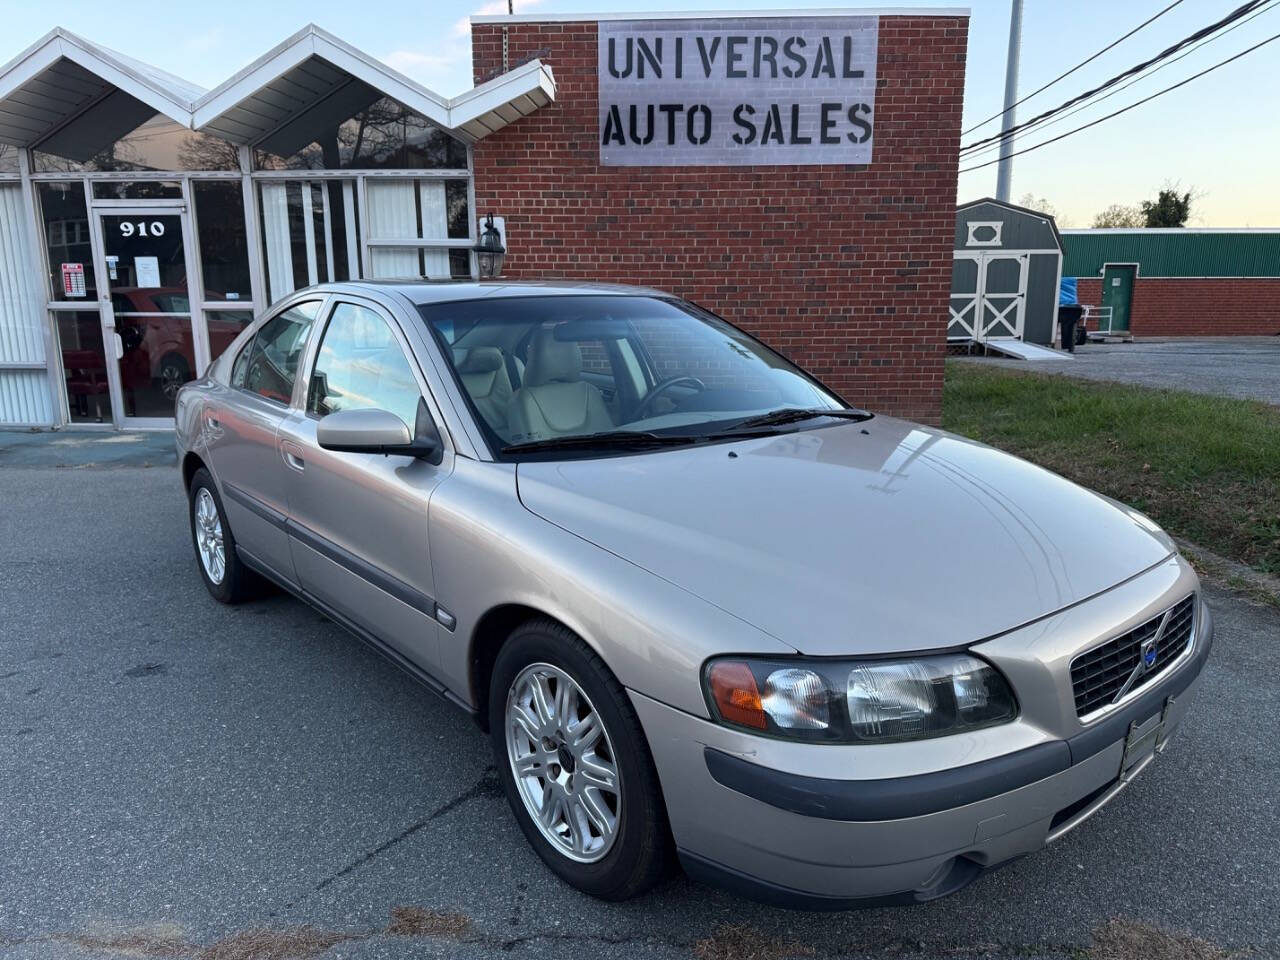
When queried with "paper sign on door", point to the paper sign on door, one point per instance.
{"points": [[147, 271], [73, 279]]}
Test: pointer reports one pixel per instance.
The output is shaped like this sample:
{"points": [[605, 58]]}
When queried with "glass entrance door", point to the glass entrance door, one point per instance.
{"points": [[147, 308]]}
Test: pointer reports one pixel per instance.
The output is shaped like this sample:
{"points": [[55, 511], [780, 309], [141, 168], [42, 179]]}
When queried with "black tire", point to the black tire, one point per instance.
{"points": [[238, 581], [641, 853]]}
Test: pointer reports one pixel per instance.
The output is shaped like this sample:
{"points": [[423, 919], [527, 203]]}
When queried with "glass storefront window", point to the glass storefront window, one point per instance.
{"points": [[84, 365], [408, 210], [383, 136], [224, 326], [223, 241], [408, 263], [294, 250], [137, 190], [66, 236], [158, 144]]}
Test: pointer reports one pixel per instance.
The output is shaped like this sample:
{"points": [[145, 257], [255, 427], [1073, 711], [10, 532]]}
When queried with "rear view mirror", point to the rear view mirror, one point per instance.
{"points": [[377, 431]]}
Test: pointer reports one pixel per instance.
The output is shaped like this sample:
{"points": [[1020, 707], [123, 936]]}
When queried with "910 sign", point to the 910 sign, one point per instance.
{"points": [[143, 229]]}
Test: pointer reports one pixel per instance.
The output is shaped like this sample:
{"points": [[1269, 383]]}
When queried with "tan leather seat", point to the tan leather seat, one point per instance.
{"points": [[484, 375], [554, 400]]}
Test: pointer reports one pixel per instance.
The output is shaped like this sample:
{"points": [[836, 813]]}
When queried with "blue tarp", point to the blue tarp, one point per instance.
{"points": [[1067, 291]]}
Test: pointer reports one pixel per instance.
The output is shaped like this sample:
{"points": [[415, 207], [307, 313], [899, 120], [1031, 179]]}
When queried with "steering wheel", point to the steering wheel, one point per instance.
{"points": [[660, 388]]}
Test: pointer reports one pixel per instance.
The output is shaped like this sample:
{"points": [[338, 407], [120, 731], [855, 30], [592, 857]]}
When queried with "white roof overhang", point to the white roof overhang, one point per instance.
{"points": [[72, 97], [313, 80], [64, 80]]}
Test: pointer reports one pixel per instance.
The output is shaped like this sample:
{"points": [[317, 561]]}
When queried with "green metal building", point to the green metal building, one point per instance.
{"points": [[1179, 282]]}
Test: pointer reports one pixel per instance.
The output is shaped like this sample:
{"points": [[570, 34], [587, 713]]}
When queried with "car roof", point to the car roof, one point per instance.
{"points": [[441, 291]]}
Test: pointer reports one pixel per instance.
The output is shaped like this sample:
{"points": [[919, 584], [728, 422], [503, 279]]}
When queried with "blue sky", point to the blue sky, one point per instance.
{"points": [[1218, 135]]}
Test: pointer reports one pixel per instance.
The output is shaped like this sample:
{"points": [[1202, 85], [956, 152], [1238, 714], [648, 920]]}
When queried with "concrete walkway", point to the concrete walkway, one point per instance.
{"points": [[86, 448], [1244, 367]]}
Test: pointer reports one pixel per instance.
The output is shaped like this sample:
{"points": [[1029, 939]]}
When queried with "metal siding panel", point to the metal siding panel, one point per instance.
{"points": [[24, 398], [1020, 231], [1175, 254], [24, 394], [21, 313]]}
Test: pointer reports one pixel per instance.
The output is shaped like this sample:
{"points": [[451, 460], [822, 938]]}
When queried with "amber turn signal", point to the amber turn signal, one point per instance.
{"points": [[733, 688]]}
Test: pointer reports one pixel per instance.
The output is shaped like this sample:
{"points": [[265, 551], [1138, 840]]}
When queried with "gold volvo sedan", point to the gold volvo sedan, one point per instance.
{"points": [[707, 611]]}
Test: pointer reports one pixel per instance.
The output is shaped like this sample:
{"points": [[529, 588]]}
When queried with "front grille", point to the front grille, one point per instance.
{"points": [[1098, 675]]}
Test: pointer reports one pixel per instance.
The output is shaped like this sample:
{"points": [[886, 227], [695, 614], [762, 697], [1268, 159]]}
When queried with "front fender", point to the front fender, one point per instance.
{"points": [[487, 550]]}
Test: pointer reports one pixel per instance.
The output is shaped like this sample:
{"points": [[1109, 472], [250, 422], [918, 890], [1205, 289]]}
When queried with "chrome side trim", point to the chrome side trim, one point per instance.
{"points": [[254, 505], [344, 558], [366, 571]]}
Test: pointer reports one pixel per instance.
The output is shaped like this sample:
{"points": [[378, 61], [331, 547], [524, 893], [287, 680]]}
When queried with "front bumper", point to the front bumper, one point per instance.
{"points": [[819, 843]]}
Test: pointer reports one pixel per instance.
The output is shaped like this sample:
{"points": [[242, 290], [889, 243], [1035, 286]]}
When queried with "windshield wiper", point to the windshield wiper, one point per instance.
{"points": [[793, 415], [610, 439]]}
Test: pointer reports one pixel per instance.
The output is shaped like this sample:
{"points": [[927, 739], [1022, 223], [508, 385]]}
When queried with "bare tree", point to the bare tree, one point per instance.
{"points": [[1120, 215]]}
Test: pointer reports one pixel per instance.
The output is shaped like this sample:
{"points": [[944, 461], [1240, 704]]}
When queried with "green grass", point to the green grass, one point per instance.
{"points": [[1207, 469]]}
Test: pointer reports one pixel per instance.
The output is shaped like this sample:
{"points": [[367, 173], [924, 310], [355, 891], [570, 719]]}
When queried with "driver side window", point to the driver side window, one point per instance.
{"points": [[361, 366]]}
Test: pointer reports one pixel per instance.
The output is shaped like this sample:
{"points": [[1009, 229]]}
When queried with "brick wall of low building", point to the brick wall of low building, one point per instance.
{"points": [[1197, 306], [844, 269]]}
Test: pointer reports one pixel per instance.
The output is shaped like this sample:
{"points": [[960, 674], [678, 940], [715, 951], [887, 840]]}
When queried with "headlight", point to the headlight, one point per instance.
{"points": [[868, 701]]}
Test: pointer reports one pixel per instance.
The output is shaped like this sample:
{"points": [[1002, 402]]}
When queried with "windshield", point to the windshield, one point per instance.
{"points": [[550, 369]]}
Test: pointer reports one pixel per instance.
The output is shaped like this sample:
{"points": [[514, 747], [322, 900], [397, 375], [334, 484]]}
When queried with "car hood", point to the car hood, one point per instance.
{"points": [[878, 537]]}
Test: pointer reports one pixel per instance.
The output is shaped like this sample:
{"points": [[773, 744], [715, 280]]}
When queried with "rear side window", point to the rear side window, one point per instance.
{"points": [[241, 365], [277, 351], [361, 365]]}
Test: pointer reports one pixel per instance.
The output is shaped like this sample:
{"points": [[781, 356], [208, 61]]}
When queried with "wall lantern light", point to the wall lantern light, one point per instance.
{"points": [[489, 251]]}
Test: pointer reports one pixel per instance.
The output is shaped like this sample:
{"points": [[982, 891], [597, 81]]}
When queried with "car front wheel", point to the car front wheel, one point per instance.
{"points": [[575, 765]]}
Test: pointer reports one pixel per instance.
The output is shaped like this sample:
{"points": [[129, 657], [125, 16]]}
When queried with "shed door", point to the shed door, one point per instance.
{"points": [[1117, 293], [965, 291], [1004, 296]]}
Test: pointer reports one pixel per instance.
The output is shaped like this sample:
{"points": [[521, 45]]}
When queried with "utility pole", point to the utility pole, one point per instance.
{"points": [[1005, 169]]}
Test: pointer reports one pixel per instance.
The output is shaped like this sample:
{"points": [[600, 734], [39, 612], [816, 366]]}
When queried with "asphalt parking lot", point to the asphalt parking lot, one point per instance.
{"points": [[1244, 367], [179, 778]]}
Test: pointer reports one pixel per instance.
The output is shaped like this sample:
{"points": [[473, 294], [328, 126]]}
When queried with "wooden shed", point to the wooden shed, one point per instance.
{"points": [[1006, 273]]}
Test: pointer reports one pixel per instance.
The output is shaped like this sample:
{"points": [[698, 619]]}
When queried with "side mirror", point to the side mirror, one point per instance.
{"points": [[376, 431]]}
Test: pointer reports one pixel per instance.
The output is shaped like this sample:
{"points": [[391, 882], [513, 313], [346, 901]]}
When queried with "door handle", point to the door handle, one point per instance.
{"points": [[292, 455]]}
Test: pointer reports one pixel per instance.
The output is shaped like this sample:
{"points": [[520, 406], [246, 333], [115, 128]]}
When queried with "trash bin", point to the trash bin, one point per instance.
{"points": [[1069, 315]]}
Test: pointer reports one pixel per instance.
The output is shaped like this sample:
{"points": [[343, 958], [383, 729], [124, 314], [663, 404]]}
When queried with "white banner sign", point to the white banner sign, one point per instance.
{"points": [[731, 92]]}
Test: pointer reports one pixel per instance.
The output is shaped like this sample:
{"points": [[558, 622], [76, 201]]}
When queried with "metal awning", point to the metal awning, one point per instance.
{"points": [[63, 80], [72, 96], [313, 79]]}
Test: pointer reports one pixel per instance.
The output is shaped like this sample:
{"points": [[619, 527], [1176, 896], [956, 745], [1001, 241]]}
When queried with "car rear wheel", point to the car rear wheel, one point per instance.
{"points": [[225, 577], [573, 760]]}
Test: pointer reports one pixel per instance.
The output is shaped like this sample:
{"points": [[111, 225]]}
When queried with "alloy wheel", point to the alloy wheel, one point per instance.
{"points": [[172, 377], [209, 542], [563, 762]]}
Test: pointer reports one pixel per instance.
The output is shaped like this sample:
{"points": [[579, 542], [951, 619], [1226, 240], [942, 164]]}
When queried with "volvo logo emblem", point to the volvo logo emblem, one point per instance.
{"points": [[1149, 653]]}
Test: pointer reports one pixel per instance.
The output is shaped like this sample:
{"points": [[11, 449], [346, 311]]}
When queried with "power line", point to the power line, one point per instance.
{"points": [[1063, 76], [1236, 14], [1159, 93], [1270, 5]]}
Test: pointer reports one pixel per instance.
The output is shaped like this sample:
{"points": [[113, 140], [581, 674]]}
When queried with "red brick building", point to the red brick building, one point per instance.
{"points": [[845, 268]]}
